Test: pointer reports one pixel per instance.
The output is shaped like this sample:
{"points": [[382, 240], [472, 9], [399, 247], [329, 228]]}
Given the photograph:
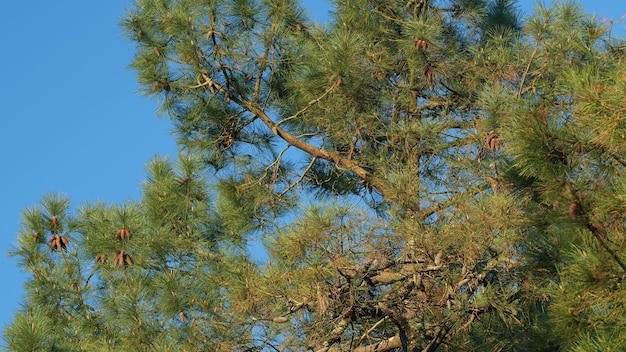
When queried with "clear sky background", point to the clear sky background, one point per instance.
{"points": [[71, 117]]}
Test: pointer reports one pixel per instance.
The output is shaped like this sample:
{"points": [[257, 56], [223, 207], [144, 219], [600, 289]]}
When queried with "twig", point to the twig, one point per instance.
{"points": [[201, 84], [312, 102], [291, 186], [530, 60], [368, 332], [274, 163]]}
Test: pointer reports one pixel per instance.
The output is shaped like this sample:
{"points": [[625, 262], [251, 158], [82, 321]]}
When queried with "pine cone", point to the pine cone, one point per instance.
{"points": [[573, 211], [64, 242], [599, 230], [128, 260], [122, 259], [119, 258], [428, 73], [493, 143], [57, 242], [122, 234], [53, 243]]}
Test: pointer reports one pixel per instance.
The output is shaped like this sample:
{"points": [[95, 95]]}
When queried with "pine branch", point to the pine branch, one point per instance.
{"points": [[370, 330], [389, 344], [314, 151], [597, 230], [530, 61], [599, 233], [312, 102]]}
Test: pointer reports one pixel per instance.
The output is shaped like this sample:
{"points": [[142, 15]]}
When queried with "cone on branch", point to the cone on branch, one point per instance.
{"points": [[428, 73], [493, 142], [598, 230], [122, 234], [127, 260], [100, 258], [58, 242], [573, 211], [122, 259]]}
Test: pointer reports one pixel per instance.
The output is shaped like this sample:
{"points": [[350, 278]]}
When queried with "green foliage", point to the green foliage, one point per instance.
{"points": [[31, 331], [412, 176]]}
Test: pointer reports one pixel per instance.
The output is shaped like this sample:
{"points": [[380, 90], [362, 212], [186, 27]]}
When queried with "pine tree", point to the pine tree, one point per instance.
{"points": [[565, 131], [420, 176], [153, 275]]}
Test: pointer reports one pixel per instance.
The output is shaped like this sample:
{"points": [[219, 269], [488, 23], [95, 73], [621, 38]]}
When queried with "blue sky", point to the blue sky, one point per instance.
{"points": [[72, 118]]}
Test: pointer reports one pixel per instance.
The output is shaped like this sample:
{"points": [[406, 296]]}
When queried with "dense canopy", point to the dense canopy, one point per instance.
{"points": [[410, 176]]}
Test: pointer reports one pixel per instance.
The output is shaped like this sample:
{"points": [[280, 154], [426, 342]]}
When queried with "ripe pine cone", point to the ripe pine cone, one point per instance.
{"points": [[428, 73], [122, 234], [573, 211], [493, 143], [64, 242], [122, 259], [127, 260], [119, 258], [54, 243], [599, 230], [58, 242]]}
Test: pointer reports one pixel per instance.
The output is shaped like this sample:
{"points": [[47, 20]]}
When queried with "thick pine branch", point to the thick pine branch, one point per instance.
{"points": [[315, 152]]}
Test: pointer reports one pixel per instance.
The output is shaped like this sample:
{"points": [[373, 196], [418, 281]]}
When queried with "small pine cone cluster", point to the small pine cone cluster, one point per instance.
{"points": [[122, 234], [58, 242], [122, 259]]}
